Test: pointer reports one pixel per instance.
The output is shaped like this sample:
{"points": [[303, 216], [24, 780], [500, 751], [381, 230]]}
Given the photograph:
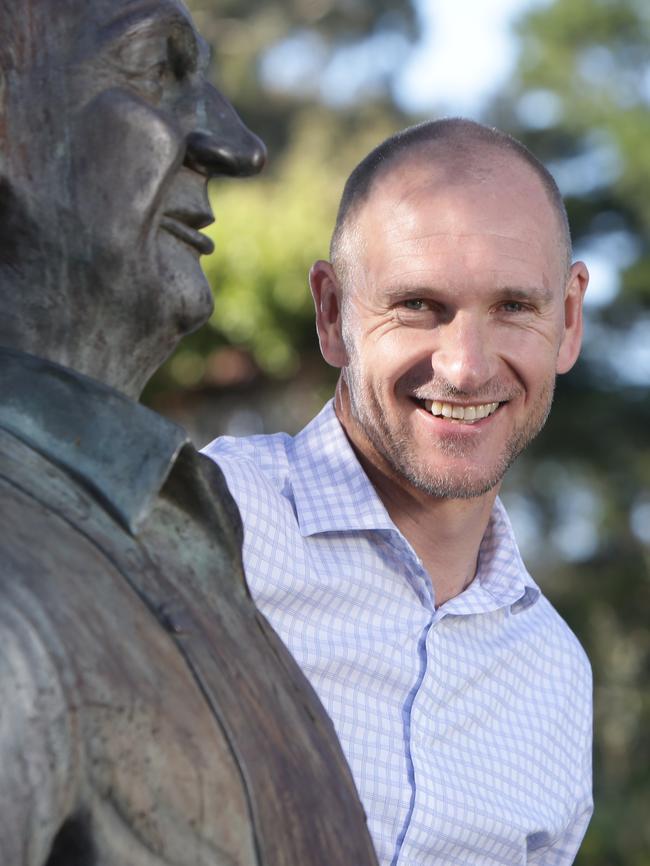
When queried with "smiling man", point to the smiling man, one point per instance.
{"points": [[148, 714], [374, 539]]}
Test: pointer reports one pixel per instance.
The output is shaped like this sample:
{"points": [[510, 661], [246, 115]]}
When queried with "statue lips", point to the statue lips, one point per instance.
{"points": [[185, 225]]}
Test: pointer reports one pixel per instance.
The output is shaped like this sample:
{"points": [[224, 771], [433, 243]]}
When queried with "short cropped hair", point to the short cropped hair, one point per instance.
{"points": [[467, 138]]}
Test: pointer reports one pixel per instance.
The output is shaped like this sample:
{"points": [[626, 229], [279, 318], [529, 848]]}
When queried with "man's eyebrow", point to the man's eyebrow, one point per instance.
{"points": [[535, 294], [538, 294], [398, 291]]}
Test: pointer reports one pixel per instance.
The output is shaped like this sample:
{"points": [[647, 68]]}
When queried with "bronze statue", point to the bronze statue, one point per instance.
{"points": [[148, 715]]}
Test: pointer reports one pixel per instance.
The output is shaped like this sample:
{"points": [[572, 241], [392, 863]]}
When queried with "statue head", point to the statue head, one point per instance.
{"points": [[109, 133]]}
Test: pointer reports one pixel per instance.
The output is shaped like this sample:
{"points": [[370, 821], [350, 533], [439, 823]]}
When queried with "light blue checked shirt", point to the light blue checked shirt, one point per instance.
{"points": [[467, 728]]}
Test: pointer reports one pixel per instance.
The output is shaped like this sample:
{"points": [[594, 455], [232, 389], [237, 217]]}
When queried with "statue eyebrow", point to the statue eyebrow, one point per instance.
{"points": [[140, 17]]}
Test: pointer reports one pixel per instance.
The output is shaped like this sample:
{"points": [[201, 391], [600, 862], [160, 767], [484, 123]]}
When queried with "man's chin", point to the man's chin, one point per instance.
{"points": [[458, 479], [454, 485]]}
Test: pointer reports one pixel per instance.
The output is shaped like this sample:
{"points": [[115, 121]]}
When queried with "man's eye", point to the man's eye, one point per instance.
{"points": [[512, 306], [415, 304]]}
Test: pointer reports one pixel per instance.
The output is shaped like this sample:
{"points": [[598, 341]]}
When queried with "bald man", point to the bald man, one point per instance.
{"points": [[375, 540]]}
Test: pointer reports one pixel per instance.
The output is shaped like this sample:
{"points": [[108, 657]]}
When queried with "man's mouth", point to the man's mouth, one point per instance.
{"points": [[468, 414], [185, 226]]}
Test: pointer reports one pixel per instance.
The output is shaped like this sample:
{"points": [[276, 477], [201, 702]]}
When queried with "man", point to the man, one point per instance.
{"points": [[148, 714], [374, 539]]}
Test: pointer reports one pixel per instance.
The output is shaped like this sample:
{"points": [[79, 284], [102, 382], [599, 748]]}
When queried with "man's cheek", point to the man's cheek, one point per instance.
{"points": [[114, 195]]}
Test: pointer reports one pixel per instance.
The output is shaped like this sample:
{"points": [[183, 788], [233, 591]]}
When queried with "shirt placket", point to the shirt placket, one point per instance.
{"points": [[420, 582]]}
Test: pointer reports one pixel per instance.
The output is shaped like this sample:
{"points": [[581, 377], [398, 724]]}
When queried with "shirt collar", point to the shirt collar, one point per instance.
{"points": [[331, 490], [333, 494], [501, 579], [118, 449]]}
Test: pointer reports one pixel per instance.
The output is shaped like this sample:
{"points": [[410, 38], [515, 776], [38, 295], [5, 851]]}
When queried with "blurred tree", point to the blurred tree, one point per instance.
{"points": [[276, 58], [580, 100]]}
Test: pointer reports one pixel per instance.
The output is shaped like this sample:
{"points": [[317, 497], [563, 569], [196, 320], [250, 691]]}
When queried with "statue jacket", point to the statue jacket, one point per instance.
{"points": [[149, 715]]}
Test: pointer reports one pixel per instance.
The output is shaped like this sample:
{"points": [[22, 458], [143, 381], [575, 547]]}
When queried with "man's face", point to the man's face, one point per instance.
{"points": [[116, 176], [456, 320]]}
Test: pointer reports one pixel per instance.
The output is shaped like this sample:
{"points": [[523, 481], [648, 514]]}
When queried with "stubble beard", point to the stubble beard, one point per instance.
{"points": [[394, 444]]}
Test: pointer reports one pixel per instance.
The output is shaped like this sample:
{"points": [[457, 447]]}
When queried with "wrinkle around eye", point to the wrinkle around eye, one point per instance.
{"points": [[426, 317], [526, 316], [383, 326], [526, 326]]}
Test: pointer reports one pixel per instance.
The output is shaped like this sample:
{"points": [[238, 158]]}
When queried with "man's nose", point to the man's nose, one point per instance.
{"points": [[462, 356], [220, 143]]}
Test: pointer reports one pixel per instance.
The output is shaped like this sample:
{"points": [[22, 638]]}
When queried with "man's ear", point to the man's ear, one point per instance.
{"points": [[572, 336], [326, 292]]}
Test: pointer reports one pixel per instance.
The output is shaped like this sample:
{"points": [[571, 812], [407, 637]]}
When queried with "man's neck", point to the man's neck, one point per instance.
{"points": [[445, 533]]}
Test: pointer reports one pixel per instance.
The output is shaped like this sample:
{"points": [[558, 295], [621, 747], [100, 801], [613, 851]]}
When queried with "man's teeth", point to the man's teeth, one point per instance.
{"points": [[460, 413]]}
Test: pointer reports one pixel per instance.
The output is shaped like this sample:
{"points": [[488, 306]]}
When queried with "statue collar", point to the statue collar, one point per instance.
{"points": [[118, 449]]}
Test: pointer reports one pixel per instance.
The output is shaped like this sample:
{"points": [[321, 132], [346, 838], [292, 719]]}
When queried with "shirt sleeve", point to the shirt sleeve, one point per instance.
{"points": [[36, 788], [564, 848]]}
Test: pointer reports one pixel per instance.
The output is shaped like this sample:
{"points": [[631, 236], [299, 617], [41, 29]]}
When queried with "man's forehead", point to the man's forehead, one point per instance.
{"points": [[431, 176], [446, 167], [420, 205]]}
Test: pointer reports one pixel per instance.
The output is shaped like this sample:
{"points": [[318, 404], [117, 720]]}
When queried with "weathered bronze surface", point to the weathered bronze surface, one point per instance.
{"points": [[149, 716]]}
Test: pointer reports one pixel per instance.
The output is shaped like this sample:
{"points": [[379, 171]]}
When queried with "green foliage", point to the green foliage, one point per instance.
{"points": [[244, 32], [589, 60]]}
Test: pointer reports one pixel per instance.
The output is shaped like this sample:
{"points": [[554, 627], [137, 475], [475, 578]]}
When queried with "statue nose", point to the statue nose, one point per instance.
{"points": [[222, 144], [237, 155]]}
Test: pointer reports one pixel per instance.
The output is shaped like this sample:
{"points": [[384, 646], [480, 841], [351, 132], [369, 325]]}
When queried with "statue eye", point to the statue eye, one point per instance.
{"points": [[145, 54], [181, 56]]}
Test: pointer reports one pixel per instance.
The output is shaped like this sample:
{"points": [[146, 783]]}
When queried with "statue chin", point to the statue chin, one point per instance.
{"points": [[185, 294]]}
